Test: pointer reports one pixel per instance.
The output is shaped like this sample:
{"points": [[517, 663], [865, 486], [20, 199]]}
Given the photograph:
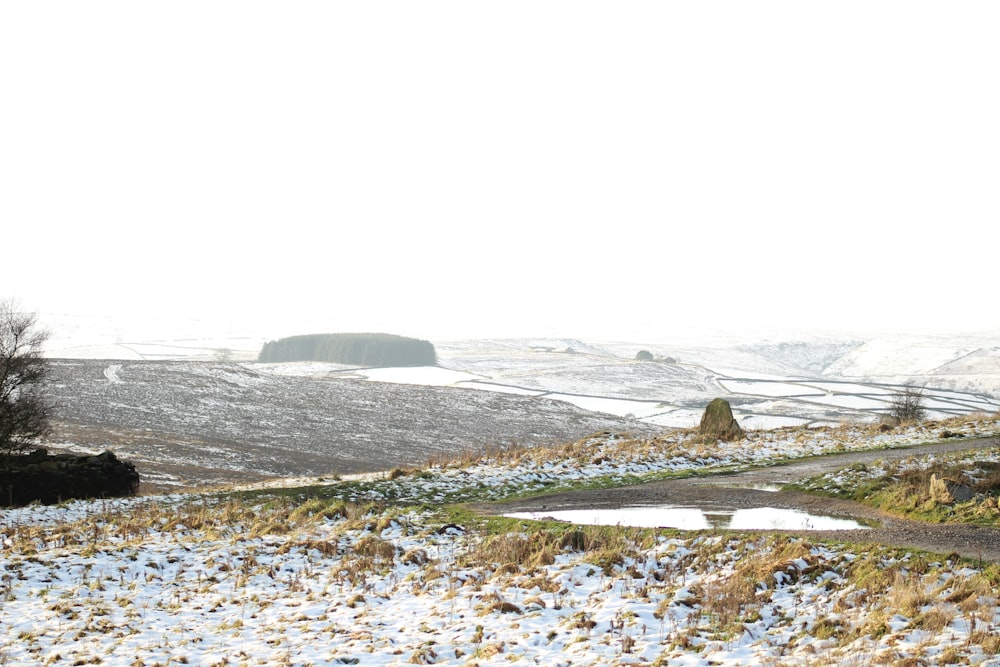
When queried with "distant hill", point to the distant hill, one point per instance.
{"points": [[362, 349], [204, 423]]}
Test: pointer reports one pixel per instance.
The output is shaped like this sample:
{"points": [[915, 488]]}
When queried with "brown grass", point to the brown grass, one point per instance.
{"points": [[375, 548], [511, 551], [729, 599], [987, 639], [908, 595], [935, 619]]}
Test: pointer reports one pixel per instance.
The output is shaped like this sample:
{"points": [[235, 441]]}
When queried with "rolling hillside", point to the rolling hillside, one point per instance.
{"points": [[204, 422], [185, 417]]}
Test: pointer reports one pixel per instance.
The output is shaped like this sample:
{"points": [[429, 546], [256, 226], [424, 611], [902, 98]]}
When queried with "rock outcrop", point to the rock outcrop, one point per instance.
{"points": [[718, 422], [48, 478]]}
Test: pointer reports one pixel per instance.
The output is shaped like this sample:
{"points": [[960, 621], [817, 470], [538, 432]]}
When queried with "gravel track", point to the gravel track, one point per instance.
{"points": [[748, 489]]}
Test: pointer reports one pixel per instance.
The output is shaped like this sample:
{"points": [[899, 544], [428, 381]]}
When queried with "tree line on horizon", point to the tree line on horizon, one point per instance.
{"points": [[359, 349]]}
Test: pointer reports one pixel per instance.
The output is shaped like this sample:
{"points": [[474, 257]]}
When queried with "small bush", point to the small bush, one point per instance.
{"points": [[908, 404]]}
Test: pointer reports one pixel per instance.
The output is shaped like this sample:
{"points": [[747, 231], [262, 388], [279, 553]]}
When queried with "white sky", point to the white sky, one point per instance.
{"points": [[536, 168]]}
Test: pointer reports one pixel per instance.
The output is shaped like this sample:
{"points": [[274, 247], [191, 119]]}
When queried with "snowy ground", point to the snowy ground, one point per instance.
{"points": [[376, 573], [801, 379], [379, 572], [191, 423], [193, 409]]}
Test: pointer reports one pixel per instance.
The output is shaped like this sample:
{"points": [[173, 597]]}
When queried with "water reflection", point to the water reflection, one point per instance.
{"points": [[693, 518]]}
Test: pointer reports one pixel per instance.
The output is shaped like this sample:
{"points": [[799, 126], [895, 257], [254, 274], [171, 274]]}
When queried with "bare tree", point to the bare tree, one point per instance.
{"points": [[908, 404], [24, 411]]}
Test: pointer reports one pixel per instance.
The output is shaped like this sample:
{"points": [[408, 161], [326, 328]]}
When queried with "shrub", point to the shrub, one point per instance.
{"points": [[908, 404]]}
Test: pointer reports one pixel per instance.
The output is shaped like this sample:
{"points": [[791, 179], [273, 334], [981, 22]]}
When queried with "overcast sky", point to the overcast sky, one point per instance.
{"points": [[535, 168]]}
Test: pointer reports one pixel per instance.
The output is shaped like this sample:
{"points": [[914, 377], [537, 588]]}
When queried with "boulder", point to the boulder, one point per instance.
{"points": [[718, 422], [949, 491]]}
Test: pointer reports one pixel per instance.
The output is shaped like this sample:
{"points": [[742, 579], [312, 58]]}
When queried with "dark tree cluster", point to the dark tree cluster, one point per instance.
{"points": [[360, 349]]}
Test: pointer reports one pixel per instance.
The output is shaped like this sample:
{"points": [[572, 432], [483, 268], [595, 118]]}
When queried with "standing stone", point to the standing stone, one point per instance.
{"points": [[718, 422]]}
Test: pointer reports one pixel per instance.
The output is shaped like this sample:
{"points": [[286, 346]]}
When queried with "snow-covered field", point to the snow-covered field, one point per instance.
{"points": [[191, 423], [768, 386], [375, 571], [799, 379], [193, 411], [379, 569]]}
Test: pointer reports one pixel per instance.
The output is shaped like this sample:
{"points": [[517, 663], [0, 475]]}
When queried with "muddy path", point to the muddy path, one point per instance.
{"points": [[760, 488]]}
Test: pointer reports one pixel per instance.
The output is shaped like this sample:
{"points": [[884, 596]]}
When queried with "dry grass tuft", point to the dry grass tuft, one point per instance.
{"points": [[503, 607], [987, 639], [415, 556], [318, 508], [729, 599], [375, 548], [908, 595], [935, 619], [513, 552]]}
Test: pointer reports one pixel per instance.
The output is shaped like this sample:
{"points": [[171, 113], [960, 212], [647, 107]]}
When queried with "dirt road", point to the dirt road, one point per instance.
{"points": [[756, 488]]}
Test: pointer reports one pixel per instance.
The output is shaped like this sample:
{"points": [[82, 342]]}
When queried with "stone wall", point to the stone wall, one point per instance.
{"points": [[48, 478]]}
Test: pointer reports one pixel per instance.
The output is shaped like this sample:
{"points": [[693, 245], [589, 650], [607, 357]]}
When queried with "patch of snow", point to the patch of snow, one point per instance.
{"points": [[773, 388], [432, 376], [613, 406], [502, 388], [768, 422]]}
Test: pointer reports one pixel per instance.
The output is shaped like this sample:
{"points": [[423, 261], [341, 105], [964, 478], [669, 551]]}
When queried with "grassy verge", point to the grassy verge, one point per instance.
{"points": [[961, 487], [606, 460]]}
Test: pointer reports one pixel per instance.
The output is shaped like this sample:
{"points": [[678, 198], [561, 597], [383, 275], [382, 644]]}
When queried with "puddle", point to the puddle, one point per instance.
{"points": [[692, 518], [770, 488]]}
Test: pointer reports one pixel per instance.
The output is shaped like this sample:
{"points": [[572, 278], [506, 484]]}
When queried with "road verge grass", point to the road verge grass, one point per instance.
{"points": [[956, 487]]}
